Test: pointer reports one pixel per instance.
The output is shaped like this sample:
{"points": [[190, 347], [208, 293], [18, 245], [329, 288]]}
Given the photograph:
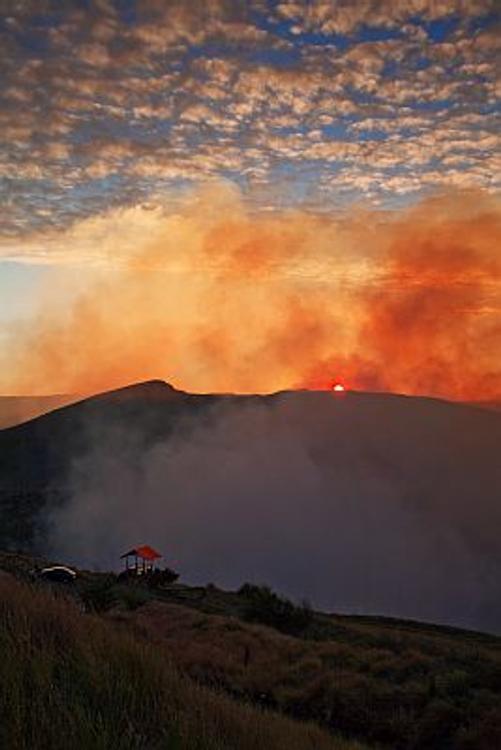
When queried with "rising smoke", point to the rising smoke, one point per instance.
{"points": [[212, 297], [369, 504]]}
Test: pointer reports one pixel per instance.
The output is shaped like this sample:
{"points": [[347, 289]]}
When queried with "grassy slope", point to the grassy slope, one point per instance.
{"points": [[392, 683], [69, 679], [398, 684]]}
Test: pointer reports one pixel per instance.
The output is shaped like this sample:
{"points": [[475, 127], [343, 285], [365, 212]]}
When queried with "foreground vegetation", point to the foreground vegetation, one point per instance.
{"points": [[69, 679], [125, 666], [391, 685]]}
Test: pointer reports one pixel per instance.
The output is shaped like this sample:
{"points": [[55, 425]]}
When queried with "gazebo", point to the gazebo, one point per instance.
{"points": [[140, 560]]}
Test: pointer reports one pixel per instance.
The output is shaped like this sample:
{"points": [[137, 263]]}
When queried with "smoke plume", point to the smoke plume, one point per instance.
{"points": [[212, 297], [369, 504]]}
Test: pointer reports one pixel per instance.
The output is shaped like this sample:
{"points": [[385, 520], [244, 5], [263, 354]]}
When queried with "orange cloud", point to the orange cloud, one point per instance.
{"points": [[215, 298]]}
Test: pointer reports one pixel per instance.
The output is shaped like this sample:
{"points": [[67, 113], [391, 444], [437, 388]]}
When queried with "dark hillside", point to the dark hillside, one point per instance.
{"points": [[35, 456], [398, 432], [368, 503], [36, 452]]}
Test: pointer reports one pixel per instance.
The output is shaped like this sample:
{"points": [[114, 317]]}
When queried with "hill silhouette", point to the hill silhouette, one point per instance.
{"points": [[17, 409], [363, 502]]}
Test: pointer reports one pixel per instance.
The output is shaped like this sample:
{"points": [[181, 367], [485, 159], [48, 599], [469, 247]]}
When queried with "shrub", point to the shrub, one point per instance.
{"points": [[268, 608]]}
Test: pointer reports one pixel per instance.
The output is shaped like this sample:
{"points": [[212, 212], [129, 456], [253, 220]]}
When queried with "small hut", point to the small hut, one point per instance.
{"points": [[140, 560]]}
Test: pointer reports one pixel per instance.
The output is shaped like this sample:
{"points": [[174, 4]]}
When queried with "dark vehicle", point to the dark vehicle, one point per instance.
{"points": [[57, 574]]}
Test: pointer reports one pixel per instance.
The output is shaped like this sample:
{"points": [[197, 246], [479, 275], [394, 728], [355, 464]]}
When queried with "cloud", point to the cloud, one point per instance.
{"points": [[215, 297], [154, 87], [344, 17]]}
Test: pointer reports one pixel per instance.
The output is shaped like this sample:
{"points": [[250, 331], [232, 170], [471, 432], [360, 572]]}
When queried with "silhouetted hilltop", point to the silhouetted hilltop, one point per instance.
{"points": [[148, 390], [17, 409], [36, 453]]}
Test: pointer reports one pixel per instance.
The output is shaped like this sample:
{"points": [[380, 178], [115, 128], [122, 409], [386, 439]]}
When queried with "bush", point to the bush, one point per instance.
{"points": [[164, 577], [268, 608]]}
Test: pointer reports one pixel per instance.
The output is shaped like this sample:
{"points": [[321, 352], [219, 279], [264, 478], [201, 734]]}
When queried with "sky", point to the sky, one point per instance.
{"points": [[243, 195]]}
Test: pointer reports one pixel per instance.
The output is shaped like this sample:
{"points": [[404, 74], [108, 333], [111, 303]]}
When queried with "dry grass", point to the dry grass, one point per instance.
{"points": [[73, 680], [393, 683], [396, 686]]}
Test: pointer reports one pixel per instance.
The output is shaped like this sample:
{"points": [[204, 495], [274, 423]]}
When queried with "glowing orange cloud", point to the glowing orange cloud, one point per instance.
{"points": [[214, 298]]}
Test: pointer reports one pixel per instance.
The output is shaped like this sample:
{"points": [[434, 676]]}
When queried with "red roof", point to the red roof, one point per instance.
{"points": [[144, 551]]}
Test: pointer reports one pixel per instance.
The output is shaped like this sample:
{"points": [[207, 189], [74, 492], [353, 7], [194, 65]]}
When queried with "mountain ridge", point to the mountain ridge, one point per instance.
{"points": [[292, 487], [161, 390]]}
